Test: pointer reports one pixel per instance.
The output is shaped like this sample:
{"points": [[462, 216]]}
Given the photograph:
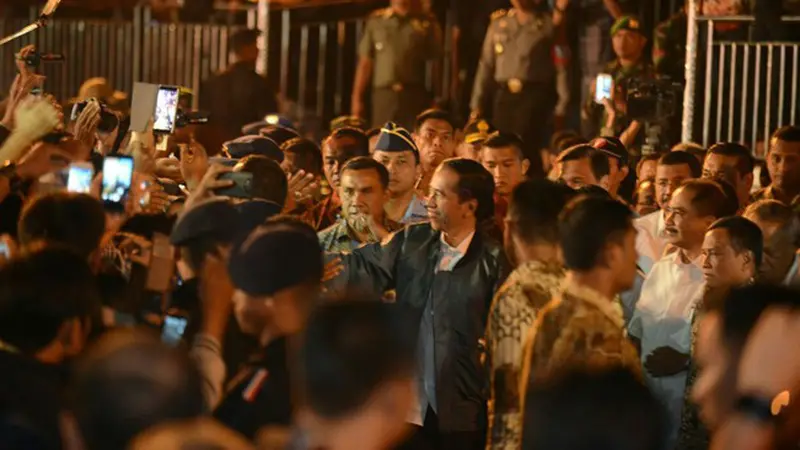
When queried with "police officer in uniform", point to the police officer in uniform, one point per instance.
{"points": [[515, 87], [629, 40], [398, 43]]}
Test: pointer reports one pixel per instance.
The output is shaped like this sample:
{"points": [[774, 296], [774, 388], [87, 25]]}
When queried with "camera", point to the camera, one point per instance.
{"points": [[108, 120], [654, 100], [35, 59], [191, 118]]}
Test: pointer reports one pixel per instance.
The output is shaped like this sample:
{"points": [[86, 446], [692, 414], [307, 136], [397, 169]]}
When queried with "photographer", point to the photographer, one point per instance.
{"points": [[610, 118]]}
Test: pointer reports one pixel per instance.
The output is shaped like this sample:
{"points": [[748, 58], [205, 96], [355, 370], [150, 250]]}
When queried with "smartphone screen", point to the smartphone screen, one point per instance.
{"points": [[603, 87], [166, 109], [79, 178], [117, 179], [173, 329]]}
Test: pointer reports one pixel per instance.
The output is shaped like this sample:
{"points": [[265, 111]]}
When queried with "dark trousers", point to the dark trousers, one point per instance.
{"points": [[527, 113], [430, 437], [399, 105]]}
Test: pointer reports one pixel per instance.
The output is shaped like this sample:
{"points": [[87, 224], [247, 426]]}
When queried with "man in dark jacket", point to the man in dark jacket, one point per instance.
{"points": [[445, 273]]}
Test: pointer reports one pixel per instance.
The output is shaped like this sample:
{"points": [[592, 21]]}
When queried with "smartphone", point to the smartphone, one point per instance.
{"points": [[242, 185], [162, 265], [79, 177], [173, 328], [4, 250], [117, 179], [166, 109], [603, 87]]}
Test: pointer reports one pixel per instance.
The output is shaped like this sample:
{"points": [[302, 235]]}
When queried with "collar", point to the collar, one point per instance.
{"points": [[787, 281], [610, 308], [678, 259], [461, 249]]}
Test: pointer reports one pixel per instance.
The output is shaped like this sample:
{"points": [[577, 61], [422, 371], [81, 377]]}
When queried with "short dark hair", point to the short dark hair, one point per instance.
{"points": [[588, 225], [744, 159], [41, 291], [651, 157], [787, 133], [308, 152], [776, 212], [243, 38], [560, 136], [744, 236], [361, 146], [269, 180], [612, 401], [709, 198], [433, 114], [502, 139], [598, 160], [77, 221], [692, 148], [350, 348], [743, 306], [367, 163], [535, 206], [115, 396], [474, 183], [679, 157]]}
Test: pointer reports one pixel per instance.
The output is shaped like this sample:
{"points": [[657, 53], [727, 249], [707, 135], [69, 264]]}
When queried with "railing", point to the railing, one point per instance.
{"points": [[744, 90]]}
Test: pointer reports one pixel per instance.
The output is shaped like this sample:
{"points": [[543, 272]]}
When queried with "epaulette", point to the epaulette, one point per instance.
{"points": [[500, 13], [385, 12]]}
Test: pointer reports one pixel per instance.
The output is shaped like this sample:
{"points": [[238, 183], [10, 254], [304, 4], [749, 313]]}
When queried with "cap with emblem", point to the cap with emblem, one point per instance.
{"points": [[394, 138], [253, 145], [348, 122], [612, 146], [216, 218], [477, 130], [274, 258], [629, 23]]}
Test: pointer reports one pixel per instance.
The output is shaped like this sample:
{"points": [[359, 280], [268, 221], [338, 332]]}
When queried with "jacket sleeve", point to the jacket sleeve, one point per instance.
{"points": [[372, 267]]}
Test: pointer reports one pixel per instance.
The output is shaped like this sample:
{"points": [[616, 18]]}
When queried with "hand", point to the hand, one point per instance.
{"points": [[357, 107], [768, 366], [42, 159], [332, 269], [149, 196], [34, 118], [208, 185], [24, 69], [135, 248], [86, 124], [302, 189], [193, 163], [666, 361], [20, 89], [169, 168], [216, 295]]}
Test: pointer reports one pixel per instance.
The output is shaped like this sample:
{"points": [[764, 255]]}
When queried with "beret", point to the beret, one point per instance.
{"points": [[394, 138], [215, 217], [273, 259], [278, 133], [629, 23], [253, 145]]}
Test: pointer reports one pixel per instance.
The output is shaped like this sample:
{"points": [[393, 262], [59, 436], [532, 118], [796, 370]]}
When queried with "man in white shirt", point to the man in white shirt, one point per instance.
{"points": [[673, 169], [661, 323]]}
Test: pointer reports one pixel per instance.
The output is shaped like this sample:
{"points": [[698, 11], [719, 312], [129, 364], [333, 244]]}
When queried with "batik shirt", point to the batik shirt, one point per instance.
{"points": [[340, 238], [528, 289]]}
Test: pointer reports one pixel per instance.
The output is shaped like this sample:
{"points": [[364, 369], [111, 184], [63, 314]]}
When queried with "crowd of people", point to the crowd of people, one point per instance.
{"points": [[422, 285]]}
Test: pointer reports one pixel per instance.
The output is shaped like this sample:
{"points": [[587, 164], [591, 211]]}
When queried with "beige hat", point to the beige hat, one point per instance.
{"points": [[101, 89]]}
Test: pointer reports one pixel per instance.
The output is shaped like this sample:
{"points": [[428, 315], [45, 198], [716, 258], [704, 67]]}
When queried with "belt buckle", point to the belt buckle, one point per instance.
{"points": [[515, 85], [397, 87]]}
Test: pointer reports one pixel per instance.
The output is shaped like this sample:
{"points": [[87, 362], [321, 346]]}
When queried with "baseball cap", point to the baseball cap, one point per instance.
{"points": [[253, 145], [611, 146]]}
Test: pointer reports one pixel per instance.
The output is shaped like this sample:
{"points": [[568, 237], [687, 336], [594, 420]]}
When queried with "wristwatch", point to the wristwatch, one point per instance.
{"points": [[9, 171], [759, 409]]}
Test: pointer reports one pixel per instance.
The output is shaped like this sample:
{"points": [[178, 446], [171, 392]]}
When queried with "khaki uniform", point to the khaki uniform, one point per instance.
{"points": [[515, 87], [401, 47]]}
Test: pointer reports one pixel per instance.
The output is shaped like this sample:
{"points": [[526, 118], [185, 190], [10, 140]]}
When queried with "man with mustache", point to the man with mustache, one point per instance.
{"points": [[672, 170], [435, 137], [661, 323], [363, 190], [397, 150]]}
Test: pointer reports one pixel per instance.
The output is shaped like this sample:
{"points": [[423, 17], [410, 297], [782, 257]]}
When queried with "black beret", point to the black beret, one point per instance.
{"points": [[215, 217], [254, 145], [271, 260], [254, 213], [394, 138]]}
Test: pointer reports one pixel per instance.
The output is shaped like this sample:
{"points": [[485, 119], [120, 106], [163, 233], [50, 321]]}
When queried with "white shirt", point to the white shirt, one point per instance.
{"points": [[650, 242], [663, 317], [792, 276], [450, 256]]}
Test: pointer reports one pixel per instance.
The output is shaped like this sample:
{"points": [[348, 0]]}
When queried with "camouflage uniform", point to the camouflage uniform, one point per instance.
{"points": [[669, 46], [596, 114]]}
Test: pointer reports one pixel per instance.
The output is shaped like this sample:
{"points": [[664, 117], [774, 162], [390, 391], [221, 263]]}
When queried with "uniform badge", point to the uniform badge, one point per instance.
{"points": [[483, 127], [498, 48], [515, 85], [634, 24], [379, 46]]}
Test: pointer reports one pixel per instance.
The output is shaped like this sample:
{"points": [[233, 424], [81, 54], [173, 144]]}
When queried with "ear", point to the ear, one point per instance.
{"points": [[604, 183], [625, 170], [472, 205], [526, 164]]}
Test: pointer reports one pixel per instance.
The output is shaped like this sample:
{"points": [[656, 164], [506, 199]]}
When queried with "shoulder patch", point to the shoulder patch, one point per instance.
{"points": [[500, 13]]}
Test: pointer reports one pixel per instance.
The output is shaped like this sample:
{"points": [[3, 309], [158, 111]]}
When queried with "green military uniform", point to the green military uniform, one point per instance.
{"points": [[401, 47], [515, 87], [669, 46]]}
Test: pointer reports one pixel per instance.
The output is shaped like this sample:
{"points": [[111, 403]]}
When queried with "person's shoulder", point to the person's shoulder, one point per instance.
{"points": [[498, 15], [380, 15], [646, 220]]}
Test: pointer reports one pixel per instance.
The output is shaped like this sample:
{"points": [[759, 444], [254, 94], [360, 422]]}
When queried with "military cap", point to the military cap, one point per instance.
{"points": [[611, 146], [254, 213], [215, 217], [477, 130], [279, 134], [394, 138], [273, 259], [629, 23], [253, 145], [348, 121], [223, 161]]}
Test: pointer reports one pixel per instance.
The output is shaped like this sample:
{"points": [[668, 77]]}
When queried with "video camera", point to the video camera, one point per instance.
{"points": [[35, 59], [108, 120], [654, 100]]}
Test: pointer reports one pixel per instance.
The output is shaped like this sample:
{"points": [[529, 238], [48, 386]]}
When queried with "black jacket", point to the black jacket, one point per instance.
{"points": [[461, 300]]}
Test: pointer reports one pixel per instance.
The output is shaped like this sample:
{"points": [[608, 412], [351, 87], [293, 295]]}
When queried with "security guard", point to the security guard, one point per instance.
{"points": [[629, 40], [398, 43], [515, 87]]}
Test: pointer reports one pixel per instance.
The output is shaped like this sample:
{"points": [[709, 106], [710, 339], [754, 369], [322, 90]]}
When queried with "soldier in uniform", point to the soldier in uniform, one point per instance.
{"points": [[629, 41], [515, 87], [397, 44]]}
